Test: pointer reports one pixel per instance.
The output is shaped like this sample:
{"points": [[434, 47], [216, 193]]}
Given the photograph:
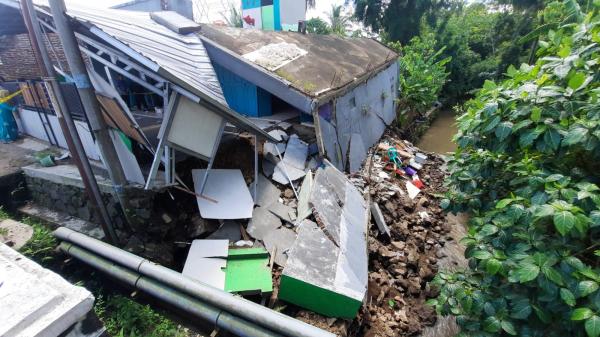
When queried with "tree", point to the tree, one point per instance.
{"points": [[338, 21], [317, 26], [401, 20]]}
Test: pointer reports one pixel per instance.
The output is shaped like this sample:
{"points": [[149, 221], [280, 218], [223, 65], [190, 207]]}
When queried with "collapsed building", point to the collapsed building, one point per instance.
{"points": [[173, 89]]}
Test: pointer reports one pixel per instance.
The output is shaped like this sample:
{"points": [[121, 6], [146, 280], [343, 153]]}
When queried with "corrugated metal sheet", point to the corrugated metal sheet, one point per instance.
{"points": [[182, 56]]}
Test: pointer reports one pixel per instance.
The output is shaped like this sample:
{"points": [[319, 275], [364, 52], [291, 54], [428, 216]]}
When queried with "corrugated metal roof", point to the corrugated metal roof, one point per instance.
{"points": [[182, 56]]}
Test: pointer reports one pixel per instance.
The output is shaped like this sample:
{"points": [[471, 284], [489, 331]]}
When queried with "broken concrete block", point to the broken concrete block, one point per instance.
{"points": [[294, 161], [280, 240], [279, 135], [414, 164], [230, 230], [267, 193], [379, 220], [262, 222], [271, 149], [35, 301], [284, 212], [199, 227], [206, 260], [15, 234], [327, 268], [304, 209], [268, 168]]}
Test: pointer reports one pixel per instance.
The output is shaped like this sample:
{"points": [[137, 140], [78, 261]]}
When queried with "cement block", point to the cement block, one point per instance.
{"points": [[15, 234], [35, 302]]}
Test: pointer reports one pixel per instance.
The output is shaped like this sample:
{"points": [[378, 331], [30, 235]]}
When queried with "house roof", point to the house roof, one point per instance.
{"points": [[313, 64], [182, 59]]}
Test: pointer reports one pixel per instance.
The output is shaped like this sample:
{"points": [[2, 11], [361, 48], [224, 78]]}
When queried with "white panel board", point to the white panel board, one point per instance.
{"points": [[194, 127], [229, 190], [132, 170], [291, 11]]}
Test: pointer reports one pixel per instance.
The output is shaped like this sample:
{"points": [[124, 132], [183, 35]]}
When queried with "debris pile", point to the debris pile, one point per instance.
{"points": [[405, 241]]}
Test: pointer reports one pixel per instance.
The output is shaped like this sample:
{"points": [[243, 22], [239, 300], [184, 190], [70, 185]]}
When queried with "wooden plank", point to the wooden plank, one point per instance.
{"points": [[116, 118]]}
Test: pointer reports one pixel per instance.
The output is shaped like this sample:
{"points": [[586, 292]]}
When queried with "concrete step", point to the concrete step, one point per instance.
{"points": [[57, 219]]}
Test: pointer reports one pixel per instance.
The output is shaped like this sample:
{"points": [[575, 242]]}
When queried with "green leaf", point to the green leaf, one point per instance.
{"points": [[489, 85], [492, 324], [592, 326], [445, 203], [481, 254], [585, 288], [536, 114], [509, 328], [567, 296], [503, 130], [564, 222], [552, 138], [503, 203], [526, 272], [580, 314], [521, 309], [488, 230], [576, 80], [492, 124], [553, 275], [493, 266], [575, 135]]}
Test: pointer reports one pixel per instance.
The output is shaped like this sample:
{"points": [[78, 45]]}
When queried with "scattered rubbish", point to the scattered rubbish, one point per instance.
{"points": [[326, 269], [410, 171], [420, 158], [424, 215], [247, 272], [379, 220], [270, 151], [262, 222], [294, 161], [304, 210], [205, 262], [413, 163], [228, 189], [413, 191], [47, 161], [280, 241]]}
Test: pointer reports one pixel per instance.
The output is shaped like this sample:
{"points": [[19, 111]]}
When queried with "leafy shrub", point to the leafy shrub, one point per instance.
{"points": [[422, 72], [527, 169]]}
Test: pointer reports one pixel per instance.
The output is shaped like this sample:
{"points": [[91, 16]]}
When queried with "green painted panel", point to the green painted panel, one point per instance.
{"points": [[268, 18], [319, 300], [247, 271]]}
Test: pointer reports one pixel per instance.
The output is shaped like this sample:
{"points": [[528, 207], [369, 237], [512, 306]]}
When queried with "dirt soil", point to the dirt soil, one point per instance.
{"points": [[401, 267]]}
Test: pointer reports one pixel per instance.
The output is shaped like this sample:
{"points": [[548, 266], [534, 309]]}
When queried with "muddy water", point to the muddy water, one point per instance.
{"points": [[438, 138]]}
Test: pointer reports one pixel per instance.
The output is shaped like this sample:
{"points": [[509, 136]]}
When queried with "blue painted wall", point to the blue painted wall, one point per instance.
{"points": [[243, 96]]}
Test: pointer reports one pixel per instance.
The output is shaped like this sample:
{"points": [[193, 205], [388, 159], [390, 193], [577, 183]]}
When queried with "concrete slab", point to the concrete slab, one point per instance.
{"points": [[284, 212], [262, 222], [279, 135], [65, 175], [294, 161], [304, 209], [35, 302], [280, 241], [230, 230], [15, 234], [267, 193], [330, 259], [268, 168]]}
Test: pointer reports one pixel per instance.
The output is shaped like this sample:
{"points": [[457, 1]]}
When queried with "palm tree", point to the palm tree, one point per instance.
{"points": [[311, 3], [338, 21]]}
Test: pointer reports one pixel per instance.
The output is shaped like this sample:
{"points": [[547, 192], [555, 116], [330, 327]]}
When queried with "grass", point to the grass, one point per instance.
{"points": [[121, 315]]}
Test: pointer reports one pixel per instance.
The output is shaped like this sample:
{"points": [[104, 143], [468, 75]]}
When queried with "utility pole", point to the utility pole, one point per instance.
{"points": [[66, 121], [89, 100]]}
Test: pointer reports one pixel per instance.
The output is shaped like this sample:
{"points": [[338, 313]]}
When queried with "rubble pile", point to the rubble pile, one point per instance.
{"points": [[402, 264]]}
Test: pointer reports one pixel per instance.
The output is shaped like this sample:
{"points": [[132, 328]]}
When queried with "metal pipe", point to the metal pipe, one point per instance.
{"points": [[238, 306], [66, 122], [215, 316], [90, 102]]}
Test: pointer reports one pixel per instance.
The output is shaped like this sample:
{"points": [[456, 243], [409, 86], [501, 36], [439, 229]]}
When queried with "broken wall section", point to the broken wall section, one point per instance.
{"points": [[353, 123]]}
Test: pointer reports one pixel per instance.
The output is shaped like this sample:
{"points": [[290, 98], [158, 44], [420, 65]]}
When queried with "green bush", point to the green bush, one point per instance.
{"points": [[527, 169], [422, 72]]}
